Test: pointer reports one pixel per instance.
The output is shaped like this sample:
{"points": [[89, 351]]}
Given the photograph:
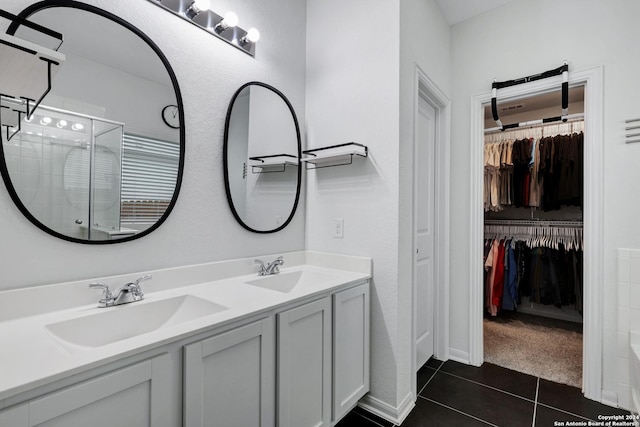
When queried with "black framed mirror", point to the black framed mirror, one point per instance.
{"points": [[262, 150], [101, 159]]}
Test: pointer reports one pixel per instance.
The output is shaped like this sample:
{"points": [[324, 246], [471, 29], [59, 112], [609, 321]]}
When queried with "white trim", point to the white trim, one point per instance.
{"points": [[395, 415], [424, 87], [592, 79], [610, 398], [459, 356]]}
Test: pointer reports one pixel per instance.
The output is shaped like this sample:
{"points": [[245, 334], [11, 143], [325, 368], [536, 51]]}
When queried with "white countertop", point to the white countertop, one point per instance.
{"points": [[31, 356]]}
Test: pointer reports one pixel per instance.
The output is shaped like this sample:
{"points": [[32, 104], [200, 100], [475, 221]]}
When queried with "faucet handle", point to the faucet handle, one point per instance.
{"points": [[107, 295], [261, 267], [104, 287], [146, 277]]}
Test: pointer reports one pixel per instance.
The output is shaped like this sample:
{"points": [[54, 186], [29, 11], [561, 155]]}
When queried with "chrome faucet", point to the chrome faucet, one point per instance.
{"points": [[127, 293], [270, 268]]}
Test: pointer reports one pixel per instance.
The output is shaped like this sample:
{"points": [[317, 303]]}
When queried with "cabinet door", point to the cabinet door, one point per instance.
{"points": [[350, 348], [304, 365], [229, 378], [131, 396], [17, 416]]}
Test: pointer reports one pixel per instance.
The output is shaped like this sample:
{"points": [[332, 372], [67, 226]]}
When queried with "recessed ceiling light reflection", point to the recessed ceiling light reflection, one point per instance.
{"points": [[45, 121], [61, 124], [77, 126]]}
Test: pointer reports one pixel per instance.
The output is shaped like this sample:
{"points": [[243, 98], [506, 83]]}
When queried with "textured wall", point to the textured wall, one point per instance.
{"points": [[523, 38], [201, 227]]}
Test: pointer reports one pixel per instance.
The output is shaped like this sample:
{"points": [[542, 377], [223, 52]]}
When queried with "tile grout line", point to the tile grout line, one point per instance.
{"points": [[535, 403], [515, 395], [430, 378], [566, 412], [368, 419], [488, 386], [458, 411]]}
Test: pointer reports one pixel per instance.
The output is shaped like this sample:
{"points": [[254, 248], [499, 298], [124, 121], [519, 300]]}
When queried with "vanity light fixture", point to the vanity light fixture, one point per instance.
{"points": [[196, 7], [198, 13], [230, 20]]}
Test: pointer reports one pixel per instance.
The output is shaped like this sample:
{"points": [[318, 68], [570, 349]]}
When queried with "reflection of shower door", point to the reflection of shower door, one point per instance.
{"points": [[74, 216], [104, 200]]}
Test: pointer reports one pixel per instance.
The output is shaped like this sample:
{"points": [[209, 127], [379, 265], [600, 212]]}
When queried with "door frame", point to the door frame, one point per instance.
{"points": [[593, 281], [425, 88]]}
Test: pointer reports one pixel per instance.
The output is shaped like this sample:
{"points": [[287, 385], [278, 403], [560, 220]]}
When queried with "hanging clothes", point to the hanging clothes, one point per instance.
{"points": [[534, 171], [540, 275]]}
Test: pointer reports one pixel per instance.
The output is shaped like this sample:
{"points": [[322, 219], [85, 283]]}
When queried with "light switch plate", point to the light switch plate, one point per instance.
{"points": [[338, 228]]}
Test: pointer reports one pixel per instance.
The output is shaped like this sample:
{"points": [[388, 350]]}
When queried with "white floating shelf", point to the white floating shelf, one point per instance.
{"points": [[24, 67], [334, 155], [272, 163], [26, 72]]}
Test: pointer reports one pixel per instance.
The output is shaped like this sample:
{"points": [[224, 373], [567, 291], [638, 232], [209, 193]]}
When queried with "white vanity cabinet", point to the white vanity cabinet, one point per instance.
{"points": [[135, 395], [229, 379], [323, 358], [288, 359], [350, 348], [304, 365]]}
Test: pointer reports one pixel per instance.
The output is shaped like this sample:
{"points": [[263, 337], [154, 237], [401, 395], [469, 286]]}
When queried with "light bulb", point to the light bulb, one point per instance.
{"points": [[61, 124], [202, 5], [77, 126], [253, 35], [196, 7], [45, 121], [230, 19]]}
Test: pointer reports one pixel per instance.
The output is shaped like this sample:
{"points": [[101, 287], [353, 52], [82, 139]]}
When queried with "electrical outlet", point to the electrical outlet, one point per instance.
{"points": [[338, 228]]}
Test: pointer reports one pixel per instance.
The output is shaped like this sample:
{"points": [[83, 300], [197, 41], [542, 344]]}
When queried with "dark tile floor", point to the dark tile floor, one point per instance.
{"points": [[454, 394]]}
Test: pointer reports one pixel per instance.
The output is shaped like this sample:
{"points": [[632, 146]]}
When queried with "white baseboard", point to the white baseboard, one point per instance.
{"points": [[387, 411], [610, 398], [459, 356]]}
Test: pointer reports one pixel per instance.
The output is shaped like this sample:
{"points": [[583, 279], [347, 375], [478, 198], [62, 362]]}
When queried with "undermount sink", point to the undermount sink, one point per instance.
{"points": [[286, 282], [127, 321]]}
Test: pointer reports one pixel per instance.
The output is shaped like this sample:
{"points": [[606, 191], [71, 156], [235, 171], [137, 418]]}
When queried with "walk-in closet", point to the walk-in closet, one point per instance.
{"points": [[533, 235]]}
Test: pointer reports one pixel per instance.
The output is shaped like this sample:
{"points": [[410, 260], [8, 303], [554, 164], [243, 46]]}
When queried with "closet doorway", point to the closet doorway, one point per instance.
{"points": [[591, 81], [533, 239]]}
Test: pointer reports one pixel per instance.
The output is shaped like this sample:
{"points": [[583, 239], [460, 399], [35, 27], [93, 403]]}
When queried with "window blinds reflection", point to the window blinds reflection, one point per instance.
{"points": [[149, 176]]}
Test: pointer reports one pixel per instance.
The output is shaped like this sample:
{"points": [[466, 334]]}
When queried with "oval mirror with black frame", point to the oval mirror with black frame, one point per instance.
{"points": [[262, 150], [97, 162]]}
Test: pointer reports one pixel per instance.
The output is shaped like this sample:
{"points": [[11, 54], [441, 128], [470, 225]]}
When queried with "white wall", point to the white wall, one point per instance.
{"points": [[360, 88], [352, 95], [424, 43], [201, 228], [522, 38]]}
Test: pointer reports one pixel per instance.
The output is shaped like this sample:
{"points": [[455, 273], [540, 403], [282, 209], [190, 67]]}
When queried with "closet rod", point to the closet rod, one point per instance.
{"points": [[537, 123], [535, 223]]}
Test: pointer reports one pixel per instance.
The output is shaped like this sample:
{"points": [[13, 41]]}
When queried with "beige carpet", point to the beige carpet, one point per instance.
{"points": [[546, 348]]}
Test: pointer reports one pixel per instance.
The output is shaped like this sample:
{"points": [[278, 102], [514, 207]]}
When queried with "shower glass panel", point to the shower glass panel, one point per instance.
{"points": [[66, 169], [106, 171]]}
